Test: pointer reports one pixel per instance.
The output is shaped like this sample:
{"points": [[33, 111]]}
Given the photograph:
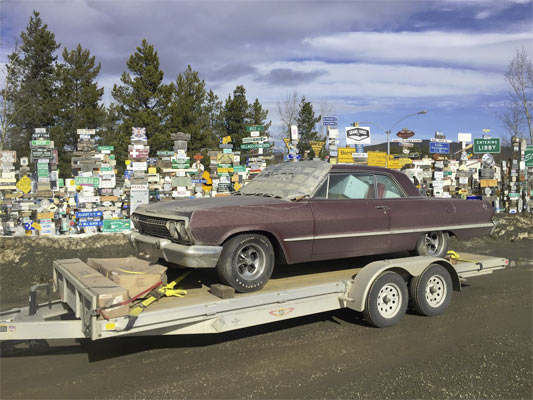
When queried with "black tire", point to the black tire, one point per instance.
{"points": [[433, 244], [387, 300], [246, 262], [431, 291]]}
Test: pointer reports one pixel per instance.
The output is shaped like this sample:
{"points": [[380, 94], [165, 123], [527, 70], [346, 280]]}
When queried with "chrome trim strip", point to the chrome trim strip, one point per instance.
{"points": [[393, 232]]}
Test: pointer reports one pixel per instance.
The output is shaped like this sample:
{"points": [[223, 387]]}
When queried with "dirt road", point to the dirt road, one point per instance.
{"points": [[480, 348]]}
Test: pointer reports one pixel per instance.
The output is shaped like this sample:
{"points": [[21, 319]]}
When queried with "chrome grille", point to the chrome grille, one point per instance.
{"points": [[154, 226]]}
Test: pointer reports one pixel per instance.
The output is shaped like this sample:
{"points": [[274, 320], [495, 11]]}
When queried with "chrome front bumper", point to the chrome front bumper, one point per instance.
{"points": [[187, 256]]}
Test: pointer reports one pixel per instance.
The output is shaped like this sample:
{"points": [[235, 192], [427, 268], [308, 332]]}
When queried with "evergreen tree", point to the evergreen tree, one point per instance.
{"points": [[33, 84], [236, 110], [188, 111], [79, 97], [214, 112], [258, 116], [306, 122], [142, 101]]}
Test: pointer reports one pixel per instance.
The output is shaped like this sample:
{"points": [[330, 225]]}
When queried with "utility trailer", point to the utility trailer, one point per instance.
{"points": [[381, 290]]}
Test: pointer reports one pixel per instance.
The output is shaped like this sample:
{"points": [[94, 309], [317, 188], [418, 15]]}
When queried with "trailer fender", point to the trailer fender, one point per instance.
{"points": [[408, 267]]}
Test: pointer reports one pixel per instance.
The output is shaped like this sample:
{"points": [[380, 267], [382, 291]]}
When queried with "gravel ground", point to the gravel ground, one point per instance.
{"points": [[480, 348]]}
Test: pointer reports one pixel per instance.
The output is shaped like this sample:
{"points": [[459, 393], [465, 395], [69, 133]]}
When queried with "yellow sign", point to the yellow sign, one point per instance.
{"points": [[127, 162], [152, 170], [24, 184], [224, 170], [223, 158], [36, 226], [46, 215], [377, 158], [317, 145], [345, 155], [226, 139], [287, 142], [237, 186]]}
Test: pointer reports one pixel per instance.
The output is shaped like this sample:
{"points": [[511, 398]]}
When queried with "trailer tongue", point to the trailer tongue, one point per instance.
{"points": [[381, 290]]}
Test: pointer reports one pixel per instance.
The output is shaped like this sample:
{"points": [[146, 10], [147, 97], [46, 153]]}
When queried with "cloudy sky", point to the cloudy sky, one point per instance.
{"points": [[371, 61]]}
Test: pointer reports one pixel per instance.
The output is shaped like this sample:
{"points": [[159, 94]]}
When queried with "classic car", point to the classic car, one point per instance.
{"points": [[304, 211]]}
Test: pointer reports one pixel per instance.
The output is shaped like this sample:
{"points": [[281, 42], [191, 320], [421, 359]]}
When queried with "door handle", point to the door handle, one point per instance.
{"points": [[386, 208]]}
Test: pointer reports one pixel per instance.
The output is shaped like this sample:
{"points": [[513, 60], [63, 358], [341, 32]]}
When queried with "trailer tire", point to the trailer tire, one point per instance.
{"points": [[431, 291], [387, 299], [246, 262]]}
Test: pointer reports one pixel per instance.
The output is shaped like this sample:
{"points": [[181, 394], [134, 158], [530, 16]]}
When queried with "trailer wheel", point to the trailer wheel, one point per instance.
{"points": [[246, 262], [387, 300], [433, 244], [431, 291]]}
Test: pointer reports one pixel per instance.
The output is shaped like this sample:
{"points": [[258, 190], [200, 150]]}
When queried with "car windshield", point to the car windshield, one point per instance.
{"points": [[291, 180]]}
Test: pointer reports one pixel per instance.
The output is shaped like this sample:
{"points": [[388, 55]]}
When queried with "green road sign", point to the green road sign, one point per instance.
{"points": [[487, 146], [111, 148], [248, 146], [252, 128], [528, 157], [87, 181], [37, 143], [239, 168], [116, 225], [165, 153]]}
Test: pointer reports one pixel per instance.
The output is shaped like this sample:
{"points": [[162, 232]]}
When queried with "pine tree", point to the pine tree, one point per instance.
{"points": [[142, 101], [259, 116], [188, 112], [33, 84], [236, 111], [306, 122], [215, 115], [79, 98]]}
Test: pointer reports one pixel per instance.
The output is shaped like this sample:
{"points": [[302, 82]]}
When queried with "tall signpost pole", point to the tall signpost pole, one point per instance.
{"points": [[388, 131]]}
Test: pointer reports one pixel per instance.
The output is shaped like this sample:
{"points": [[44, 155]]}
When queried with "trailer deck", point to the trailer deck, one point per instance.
{"points": [[202, 312]]}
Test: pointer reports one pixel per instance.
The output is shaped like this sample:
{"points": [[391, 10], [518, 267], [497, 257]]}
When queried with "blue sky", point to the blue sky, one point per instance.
{"points": [[366, 60]]}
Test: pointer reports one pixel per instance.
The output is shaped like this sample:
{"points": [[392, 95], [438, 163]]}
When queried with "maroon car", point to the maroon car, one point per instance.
{"points": [[304, 211]]}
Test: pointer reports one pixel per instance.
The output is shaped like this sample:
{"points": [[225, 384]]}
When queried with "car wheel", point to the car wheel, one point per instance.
{"points": [[246, 262], [387, 300], [431, 292], [433, 244]]}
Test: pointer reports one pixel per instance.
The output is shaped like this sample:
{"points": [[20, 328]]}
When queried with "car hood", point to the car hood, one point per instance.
{"points": [[189, 205]]}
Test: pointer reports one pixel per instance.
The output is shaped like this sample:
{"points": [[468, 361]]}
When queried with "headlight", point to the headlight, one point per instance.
{"points": [[171, 226], [135, 220], [182, 230]]}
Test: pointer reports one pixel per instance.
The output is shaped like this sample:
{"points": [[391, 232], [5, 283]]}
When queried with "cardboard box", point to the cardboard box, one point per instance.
{"points": [[134, 274]]}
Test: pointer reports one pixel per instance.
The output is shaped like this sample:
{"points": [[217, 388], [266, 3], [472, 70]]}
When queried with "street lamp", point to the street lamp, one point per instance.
{"points": [[388, 131]]}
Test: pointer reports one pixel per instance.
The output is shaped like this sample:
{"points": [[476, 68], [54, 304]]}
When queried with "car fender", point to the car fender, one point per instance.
{"points": [[408, 267]]}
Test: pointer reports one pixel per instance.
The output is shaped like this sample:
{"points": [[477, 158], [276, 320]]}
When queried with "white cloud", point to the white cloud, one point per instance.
{"points": [[488, 50]]}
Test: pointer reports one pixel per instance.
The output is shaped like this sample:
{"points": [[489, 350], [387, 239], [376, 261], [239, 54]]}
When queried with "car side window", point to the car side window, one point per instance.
{"points": [[349, 186], [387, 188]]}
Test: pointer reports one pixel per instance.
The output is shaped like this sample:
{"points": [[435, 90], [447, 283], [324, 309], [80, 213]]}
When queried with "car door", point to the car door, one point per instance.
{"points": [[348, 218]]}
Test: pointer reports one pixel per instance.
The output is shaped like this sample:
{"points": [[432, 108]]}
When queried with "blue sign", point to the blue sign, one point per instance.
{"points": [[89, 214], [198, 181], [329, 121], [128, 174], [91, 223], [439, 147], [28, 227]]}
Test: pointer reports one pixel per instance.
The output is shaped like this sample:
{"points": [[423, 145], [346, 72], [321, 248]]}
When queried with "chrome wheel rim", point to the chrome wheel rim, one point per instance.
{"points": [[251, 261], [433, 243], [389, 300], [435, 291]]}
